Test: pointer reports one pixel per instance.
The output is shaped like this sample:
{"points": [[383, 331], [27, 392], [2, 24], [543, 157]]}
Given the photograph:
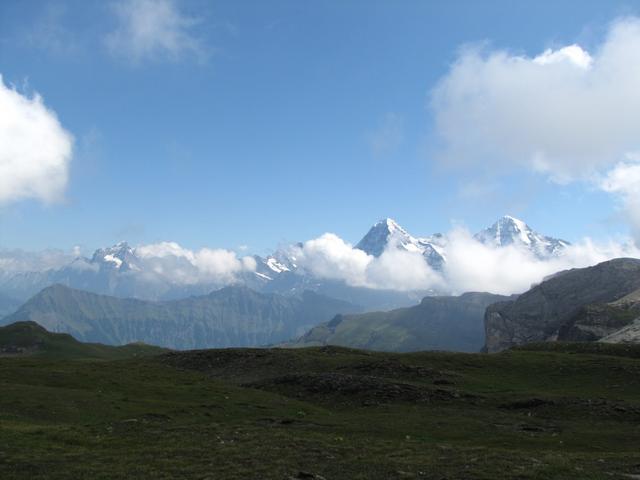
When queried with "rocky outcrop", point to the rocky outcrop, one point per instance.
{"points": [[583, 304]]}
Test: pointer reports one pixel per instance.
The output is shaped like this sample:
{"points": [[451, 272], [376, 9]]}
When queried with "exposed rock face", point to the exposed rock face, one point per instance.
{"points": [[437, 323], [574, 305]]}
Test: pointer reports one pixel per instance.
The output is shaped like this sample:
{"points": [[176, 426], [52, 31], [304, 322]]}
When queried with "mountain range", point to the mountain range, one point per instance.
{"points": [[233, 316], [598, 303], [123, 271]]}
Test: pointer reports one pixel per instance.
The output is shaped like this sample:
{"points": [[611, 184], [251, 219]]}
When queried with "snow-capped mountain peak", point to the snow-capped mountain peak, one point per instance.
{"points": [[119, 256], [282, 261], [509, 230], [383, 233], [387, 232]]}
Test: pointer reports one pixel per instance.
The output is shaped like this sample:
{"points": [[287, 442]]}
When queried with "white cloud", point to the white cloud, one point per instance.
{"points": [[182, 265], [35, 150], [573, 55], [473, 266], [221, 264], [401, 270], [330, 257], [154, 29], [566, 112], [624, 181]]}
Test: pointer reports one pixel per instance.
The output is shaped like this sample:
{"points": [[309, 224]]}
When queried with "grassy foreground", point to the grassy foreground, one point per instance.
{"points": [[325, 412]]}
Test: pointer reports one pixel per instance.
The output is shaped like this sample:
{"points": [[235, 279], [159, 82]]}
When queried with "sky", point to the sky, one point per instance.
{"points": [[247, 125]]}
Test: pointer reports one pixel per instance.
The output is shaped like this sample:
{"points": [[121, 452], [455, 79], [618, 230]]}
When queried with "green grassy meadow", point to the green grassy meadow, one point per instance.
{"points": [[326, 412]]}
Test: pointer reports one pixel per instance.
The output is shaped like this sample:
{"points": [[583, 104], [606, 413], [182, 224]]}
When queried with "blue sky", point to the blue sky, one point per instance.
{"points": [[278, 121]]}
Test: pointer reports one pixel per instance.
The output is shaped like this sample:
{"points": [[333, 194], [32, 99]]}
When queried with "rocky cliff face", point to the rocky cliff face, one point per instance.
{"points": [[575, 305]]}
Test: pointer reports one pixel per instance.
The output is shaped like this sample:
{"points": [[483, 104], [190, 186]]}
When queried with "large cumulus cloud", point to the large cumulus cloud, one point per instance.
{"points": [[571, 114], [567, 112], [35, 150]]}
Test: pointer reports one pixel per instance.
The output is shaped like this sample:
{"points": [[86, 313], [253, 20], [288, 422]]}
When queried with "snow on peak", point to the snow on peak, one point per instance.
{"points": [[391, 225], [509, 230], [387, 232], [381, 234], [276, 266], [119, 256], [281, 261]]}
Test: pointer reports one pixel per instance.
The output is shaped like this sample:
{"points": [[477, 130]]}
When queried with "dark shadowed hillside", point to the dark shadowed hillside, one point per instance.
{"points": [[30, 339], [437, 323]]}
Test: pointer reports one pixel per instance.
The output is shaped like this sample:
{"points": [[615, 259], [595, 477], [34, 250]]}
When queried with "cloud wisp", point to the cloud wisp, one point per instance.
{"points": [[35, 150], [388, 137], [154, 30]]}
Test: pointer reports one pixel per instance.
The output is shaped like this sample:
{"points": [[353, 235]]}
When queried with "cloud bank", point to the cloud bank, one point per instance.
{"points": [[16, 260], [473, 266], [152, 30], [35, 150], [470, 266]]}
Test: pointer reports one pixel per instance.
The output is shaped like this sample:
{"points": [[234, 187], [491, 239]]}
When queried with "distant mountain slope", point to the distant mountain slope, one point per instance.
{"points": [[290, 283], [29, 338], [8, 305], [232, 316], [575, 305], [437, 323]]}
